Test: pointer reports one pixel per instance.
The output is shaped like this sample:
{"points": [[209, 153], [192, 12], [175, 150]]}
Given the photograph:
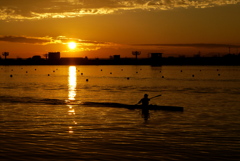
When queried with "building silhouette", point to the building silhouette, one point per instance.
{"points": [[156, 59]]}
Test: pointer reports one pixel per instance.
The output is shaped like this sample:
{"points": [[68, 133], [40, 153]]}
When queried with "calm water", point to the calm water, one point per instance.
{"points": [[41, 116]]}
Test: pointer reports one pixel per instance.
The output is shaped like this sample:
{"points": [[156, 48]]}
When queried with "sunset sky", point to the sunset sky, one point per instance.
{"points": [[101, 28]]}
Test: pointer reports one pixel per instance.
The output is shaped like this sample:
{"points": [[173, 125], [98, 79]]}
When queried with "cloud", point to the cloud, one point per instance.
{"points": [[82, 44], [27, 40], [64, 39], [39, 9], [61, 43], [197, 45]]}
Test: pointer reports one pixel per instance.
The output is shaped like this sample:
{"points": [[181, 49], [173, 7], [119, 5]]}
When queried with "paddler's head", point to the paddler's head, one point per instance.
{"points": [[146, 96]]}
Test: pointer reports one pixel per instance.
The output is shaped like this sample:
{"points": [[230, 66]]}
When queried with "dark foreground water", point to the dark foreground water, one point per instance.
{"points": [[42, 116]]}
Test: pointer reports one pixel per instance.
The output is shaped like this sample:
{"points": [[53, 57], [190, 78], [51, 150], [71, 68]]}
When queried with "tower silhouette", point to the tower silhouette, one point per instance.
{"points": [[136, 53]]}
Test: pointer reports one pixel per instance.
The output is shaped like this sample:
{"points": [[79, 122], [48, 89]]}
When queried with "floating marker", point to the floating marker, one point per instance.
{"points": [[193, 75], [81, 73], [218, 74], [162, 76], [26, 71], [86, 80], [127, 78], [48, 74], [181, 70], [110, 72], [11, 75]]}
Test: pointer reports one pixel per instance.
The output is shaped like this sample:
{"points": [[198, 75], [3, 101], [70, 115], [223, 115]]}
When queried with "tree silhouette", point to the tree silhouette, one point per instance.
{"points": [[46, 56], [5, 54]]}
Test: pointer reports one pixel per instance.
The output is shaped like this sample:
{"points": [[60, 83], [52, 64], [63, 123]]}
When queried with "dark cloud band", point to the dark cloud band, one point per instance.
{"points": [[199, 45], [29, 40]]}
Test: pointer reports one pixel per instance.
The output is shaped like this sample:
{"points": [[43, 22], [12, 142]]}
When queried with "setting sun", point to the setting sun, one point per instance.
{"points": [[72, 45]]}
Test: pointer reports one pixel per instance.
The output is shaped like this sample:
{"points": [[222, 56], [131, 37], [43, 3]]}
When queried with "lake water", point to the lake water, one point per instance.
{"points": [[42, 116]]}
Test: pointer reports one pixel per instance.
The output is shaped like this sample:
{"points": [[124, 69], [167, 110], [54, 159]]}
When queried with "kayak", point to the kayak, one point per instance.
{"points": [[120, 105]]}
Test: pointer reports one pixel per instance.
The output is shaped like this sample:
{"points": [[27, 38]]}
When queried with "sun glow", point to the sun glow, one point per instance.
{"points": [[72, 45]]}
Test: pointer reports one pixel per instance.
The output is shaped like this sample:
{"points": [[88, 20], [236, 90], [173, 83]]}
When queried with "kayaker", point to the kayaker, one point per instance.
{"points": [[145, 105], [145, 100]]}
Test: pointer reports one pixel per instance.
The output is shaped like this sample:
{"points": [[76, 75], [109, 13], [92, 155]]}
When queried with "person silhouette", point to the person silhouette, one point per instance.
{"points": [[145, 111], [145, 100]]}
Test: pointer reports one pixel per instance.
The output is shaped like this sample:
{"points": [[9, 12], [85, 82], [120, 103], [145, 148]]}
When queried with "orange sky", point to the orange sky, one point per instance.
{"points": [[102, 28]]}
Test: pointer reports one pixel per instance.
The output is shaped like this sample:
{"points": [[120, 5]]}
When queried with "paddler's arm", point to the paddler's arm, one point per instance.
{"points": [[139, 102]]}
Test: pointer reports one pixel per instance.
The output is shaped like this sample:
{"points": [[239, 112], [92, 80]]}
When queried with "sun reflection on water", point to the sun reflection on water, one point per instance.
{"points": [[71, 110], [72, 84], [70, 130]]}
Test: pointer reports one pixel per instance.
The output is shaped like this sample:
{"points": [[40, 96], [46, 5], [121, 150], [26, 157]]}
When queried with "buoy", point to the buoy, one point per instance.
{"points": [[86, 80], [11, 75], [137, 72], [81, 73], [127, 78], [48, 74], [162, 76], [218, 74], [193, 75], [181, 70], [26, 71], [110, 72]]}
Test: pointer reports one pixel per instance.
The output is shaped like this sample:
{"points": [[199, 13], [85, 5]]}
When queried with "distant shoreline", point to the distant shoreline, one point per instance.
{"points": [[225, 60]]}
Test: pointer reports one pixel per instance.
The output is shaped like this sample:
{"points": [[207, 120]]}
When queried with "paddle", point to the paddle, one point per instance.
{"points": [[155, 96]]}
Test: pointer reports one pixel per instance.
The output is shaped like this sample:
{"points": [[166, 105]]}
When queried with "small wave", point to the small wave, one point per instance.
{"points": [[15, 99]]}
